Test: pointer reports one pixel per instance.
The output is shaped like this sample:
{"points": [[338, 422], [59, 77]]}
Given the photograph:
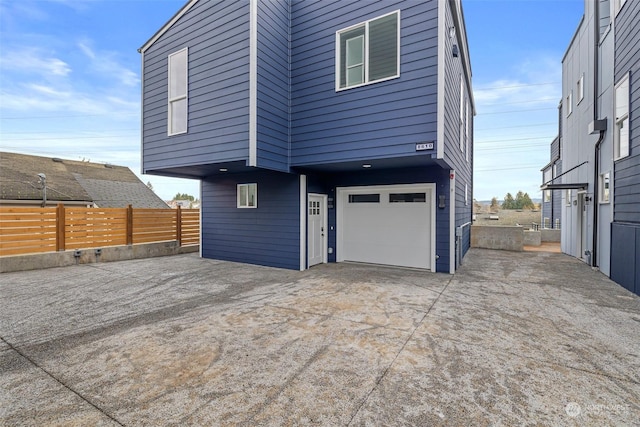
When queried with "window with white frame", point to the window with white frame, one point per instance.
{"points": [[368, 52], [580, 88], [469, 132], [466, 194], [604, 188], [248, 195], [621, 133], [462, 113], [547, 180], [567, 197], [569, 103], [177, 98]]}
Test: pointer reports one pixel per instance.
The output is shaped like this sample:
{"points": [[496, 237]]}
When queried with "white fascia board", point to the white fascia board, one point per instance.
{"points": [[441, 79], [142, 113], [253, 83], [168, 25], [303, 222], [452, 221]]}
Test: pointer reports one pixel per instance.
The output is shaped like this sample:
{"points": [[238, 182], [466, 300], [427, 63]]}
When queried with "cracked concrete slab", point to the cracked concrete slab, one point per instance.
{"points": [[512, 338]]}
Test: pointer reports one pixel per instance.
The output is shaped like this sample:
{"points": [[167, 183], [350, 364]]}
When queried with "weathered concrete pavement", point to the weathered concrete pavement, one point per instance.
{"points": [[512, 339]]}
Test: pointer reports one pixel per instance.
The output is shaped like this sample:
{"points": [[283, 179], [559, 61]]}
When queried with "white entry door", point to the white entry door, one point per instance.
{"points": [[392, 224], [316, 228]]}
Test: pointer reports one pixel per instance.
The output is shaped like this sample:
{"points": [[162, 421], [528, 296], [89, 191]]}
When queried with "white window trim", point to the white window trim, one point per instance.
{"points": [[170, 100], [365, 24], [617, 120], [468, 133], [570, 103], [580, 88], [567, 197], [462, 107], [240, 205], [601, 200]]}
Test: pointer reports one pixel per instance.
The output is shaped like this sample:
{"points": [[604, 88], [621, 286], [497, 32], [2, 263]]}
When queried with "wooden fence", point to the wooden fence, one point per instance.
{"points": [[36, 230]]}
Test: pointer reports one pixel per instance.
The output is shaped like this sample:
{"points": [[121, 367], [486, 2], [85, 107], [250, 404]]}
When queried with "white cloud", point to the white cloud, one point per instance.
{"points": [[34, 61]]}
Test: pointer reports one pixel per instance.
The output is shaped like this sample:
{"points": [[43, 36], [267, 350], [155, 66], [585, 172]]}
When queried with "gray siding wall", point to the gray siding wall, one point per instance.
{"points": [[217, 35], [273, 85], [380, 120], [268, 235], [627, 59], [457, 158]]}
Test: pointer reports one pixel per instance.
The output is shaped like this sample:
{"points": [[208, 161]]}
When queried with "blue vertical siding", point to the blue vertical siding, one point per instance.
{"points": [[268, 235], [217, 35], [327, 183], [379, 120], [625, 252], [273, 85]]}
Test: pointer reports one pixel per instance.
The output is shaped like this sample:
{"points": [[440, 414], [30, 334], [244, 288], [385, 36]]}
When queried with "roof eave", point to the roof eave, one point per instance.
{"points": [[168, 25]]}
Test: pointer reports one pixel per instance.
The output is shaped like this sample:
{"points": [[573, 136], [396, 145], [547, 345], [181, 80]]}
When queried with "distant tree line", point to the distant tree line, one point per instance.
{"points": [[521, 201]]}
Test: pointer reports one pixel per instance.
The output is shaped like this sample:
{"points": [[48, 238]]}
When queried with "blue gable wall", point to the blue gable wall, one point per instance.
{"points": [[273, 85], [267, 235], [217, 35], [380, 120]]}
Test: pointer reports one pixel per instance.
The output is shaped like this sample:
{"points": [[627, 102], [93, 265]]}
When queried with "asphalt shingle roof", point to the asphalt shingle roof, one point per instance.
{"points": [[71, 180]]}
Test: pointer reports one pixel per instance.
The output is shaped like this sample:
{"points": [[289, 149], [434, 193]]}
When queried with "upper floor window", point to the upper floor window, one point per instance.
{"points": [[621, 134], [368, 52], [463, 106], [569, 105], [177, 99], [580, 88]]}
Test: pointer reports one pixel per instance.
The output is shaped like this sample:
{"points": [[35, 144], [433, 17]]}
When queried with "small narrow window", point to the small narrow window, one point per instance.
{"points": [[364, 198], [466, 195], [469, 132], [368, 52], [604, 188], [407, 198], [580, 88], [547, 196], [248, 195], [567, 198], [621, 133], [177, 96], [462, 113], [569, 103]]}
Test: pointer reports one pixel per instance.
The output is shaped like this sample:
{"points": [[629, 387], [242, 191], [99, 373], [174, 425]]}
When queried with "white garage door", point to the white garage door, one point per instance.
{"points": [[390, 225]]}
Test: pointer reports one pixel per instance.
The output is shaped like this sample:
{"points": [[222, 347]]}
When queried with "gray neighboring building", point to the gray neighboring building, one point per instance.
{"points": [[551, 205], [600, 150]]}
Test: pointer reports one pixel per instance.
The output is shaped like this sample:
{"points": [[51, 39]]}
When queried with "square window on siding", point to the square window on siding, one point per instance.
{"points": [[247, 195], [621, 132], [177, 93], [368, 52], [604, 188]]}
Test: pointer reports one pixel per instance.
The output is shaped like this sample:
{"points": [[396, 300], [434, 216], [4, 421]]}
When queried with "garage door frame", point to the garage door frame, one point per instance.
{"points": [[429, 188]]}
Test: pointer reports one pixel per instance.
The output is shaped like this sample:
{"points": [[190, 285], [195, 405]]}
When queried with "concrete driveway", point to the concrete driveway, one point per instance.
{"points": [[512, 339]]}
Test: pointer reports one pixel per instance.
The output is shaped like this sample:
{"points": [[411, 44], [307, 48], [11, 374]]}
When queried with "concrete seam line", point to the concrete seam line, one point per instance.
{"points": [[49, 374], [384, 373]]}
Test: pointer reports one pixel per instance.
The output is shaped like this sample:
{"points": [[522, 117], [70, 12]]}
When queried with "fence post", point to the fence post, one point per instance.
{"points": [[129, 225], [179, 225], [60, 220]]}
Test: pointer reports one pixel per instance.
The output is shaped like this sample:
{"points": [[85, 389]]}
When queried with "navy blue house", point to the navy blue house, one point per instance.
{"points": [[321, 131]]}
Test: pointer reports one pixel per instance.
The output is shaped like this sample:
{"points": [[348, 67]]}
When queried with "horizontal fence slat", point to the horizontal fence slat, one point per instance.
{"points": [[36, 230]]}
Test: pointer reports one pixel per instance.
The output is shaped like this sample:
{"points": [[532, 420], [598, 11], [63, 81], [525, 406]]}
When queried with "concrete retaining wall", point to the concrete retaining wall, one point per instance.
{"points": [[87, 256], [508, 238], [532, 238], [550, 235]]}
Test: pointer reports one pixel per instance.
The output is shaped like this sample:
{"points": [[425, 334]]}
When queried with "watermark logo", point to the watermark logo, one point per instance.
{"points": [[572, 409]]}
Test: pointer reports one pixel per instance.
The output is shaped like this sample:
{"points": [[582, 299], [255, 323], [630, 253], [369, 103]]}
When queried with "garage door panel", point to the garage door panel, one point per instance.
{"points": [[387, 233]]}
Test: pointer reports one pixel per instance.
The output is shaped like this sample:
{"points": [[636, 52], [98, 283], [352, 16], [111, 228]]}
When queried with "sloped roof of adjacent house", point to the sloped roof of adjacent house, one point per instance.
{"points": [[108, 186]]}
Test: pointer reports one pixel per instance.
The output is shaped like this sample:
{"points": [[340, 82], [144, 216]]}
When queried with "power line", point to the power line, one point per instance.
{"points": [[518, 126], [516, 111], [70, 137], [507, 169], [517, 102], [110, 114], [513, 139], [521, 85], [65, 132]]}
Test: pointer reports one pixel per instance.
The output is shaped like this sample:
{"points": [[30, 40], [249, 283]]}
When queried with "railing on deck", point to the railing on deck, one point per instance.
{"points": [[37, 230]]}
